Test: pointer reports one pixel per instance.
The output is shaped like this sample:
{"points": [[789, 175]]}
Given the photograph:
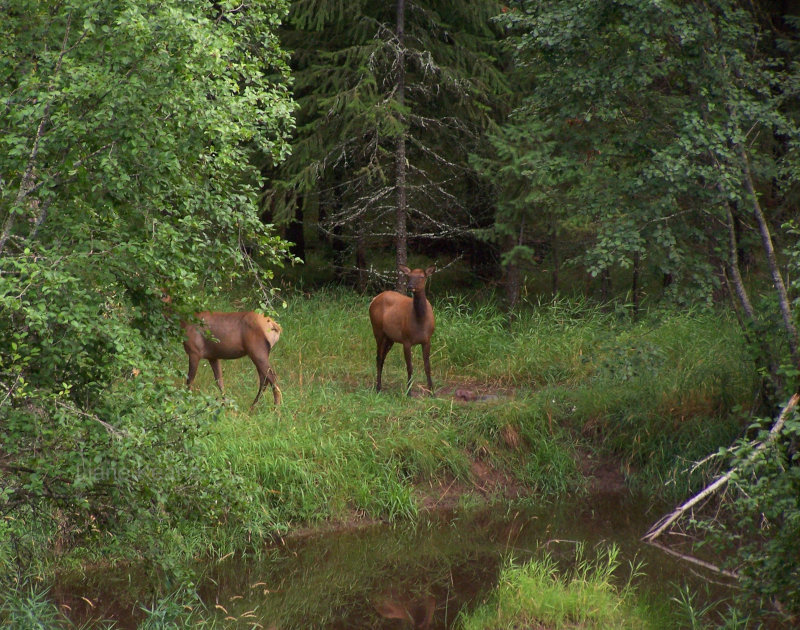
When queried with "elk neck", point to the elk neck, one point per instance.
{"points": [[420, 304]]}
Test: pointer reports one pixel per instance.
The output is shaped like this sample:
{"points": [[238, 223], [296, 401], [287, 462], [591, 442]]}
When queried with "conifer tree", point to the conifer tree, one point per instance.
{"points": [[393, 97]]}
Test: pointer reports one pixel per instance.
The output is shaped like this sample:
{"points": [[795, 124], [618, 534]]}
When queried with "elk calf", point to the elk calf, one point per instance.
{"points": [[231, 336], [397, 318]]}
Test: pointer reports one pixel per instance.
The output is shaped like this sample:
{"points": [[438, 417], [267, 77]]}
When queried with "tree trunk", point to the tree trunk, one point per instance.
{"points": [[733, 268], [401, 228], [28, 182], [334, 204], [766, 243], [361, 260], [555, 253], [771, 386], [340, 254], [511, 281], [635, 284], [295, 234], [605, 285], [772, 261]]}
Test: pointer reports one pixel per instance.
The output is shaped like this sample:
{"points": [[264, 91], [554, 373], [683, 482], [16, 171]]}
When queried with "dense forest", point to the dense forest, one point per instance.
{"points": [[638, 158]]}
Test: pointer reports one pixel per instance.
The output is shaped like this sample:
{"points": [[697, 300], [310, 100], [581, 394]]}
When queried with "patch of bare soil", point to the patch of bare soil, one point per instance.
{"points": [[473, 391], [441, 494], [487, 483], [604, 476]]}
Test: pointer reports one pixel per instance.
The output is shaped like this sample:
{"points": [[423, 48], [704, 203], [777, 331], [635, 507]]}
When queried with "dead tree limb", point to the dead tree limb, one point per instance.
{"points": [[658, 528]]}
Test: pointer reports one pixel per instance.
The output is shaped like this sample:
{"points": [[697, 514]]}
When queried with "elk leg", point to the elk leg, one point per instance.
{"points": [[277, 396], [266, 375], [426, 357], [276, 391], [262, 383], [384, 345], [194, 361], [409, 369], [217, 369]]}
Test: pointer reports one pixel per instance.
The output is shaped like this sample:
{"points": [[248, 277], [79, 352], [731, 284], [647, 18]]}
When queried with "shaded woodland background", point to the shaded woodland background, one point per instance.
{"points": [[640, 153], [614, 145]]}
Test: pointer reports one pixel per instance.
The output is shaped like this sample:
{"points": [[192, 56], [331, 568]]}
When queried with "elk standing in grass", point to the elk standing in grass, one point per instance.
{"points": [[231, 336], [397, 318]]}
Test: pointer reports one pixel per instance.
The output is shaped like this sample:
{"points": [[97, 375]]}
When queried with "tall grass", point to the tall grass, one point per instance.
{"points": [[559, 378], [330, 453], [26, 605], [539, 595]]}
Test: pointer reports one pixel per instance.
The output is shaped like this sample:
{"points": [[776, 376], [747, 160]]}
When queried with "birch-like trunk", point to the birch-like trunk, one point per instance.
{"points": [[772, 260]]}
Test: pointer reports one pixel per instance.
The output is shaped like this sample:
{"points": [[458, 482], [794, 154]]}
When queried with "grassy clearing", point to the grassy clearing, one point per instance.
{"points": [[560, 378]]}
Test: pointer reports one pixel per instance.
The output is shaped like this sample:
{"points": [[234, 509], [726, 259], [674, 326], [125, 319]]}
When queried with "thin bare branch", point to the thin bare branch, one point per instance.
{"points": [[662, 524], [27, 182], [696, 561]]}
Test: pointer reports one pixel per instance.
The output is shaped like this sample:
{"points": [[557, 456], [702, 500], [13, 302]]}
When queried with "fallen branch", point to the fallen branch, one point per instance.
{"points": [[662, 524], [697, 561]]}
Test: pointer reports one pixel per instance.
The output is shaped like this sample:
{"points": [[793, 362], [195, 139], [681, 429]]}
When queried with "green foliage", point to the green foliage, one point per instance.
{"points": [[640, 123], [538, 594], [127, 130], [759, 529]]}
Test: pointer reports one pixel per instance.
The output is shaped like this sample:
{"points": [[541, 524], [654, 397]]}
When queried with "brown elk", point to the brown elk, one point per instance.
{"points": [[231, 336], [397, 318]]}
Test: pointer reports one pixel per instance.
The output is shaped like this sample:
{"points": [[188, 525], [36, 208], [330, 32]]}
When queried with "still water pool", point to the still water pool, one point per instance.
{"points": [[410, 575]]}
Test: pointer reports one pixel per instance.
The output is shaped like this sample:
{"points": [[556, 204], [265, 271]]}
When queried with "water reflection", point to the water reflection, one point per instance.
{"points": [[421, 576], [378, 577], [416, 612], [416, 576]]}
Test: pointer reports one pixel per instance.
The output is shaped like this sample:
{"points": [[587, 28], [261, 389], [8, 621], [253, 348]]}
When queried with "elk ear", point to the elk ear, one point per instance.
{"points": [[430, 271], [404, 270]]}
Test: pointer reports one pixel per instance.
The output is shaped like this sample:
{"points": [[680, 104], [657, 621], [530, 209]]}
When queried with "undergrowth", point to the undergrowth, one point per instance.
{"points": [[525, 397]]}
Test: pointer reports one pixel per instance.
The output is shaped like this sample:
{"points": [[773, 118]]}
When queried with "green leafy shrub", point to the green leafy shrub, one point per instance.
{"points": [[125, 167], [759, 526]]}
